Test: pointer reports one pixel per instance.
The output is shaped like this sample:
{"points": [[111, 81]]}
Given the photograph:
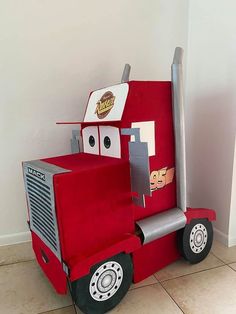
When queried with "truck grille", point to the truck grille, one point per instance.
{"points": [[40, 200], [38, 177]]}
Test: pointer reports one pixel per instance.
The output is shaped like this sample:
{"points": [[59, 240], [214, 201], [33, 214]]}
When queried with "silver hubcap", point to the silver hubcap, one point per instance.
{"points": [[198, 238], [106, 281]]}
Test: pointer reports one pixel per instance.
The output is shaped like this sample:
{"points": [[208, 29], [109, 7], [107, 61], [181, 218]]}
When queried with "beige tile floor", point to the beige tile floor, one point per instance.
{"points": [[205, 288]]}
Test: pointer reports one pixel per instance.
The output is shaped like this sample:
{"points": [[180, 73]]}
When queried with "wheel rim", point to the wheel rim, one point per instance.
{"points": [[106, 281], [198, 238]]}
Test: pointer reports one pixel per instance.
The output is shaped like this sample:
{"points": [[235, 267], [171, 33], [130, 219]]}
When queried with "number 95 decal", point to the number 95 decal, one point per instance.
{"points": [[160, 178]]}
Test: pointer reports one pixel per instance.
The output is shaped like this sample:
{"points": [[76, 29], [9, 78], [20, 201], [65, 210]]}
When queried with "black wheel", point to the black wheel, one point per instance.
{"points": [[105, 286], [195, 240]]}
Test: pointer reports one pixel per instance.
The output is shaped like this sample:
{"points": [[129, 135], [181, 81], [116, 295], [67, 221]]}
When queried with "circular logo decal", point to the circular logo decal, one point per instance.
{"points": [[104, 105]]}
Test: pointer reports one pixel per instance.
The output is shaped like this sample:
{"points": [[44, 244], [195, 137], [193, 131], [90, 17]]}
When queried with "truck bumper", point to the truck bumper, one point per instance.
{"points": [[50, 264]]}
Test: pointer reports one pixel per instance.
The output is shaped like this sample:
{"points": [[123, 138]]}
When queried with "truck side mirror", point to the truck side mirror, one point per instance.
{"points": [[74, 142], [139, 166]]}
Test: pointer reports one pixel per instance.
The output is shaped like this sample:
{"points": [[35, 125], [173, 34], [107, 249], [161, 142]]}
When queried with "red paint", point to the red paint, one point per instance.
{"points": [[151, 101], [154, 256], [94, 207]]}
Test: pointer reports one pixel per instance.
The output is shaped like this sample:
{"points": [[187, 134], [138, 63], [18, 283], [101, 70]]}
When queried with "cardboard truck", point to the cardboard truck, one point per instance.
{"points": [[116, 212]]}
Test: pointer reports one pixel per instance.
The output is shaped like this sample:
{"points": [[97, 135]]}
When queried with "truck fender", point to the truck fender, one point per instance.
{"points": [[196, 213], [82, 267]]}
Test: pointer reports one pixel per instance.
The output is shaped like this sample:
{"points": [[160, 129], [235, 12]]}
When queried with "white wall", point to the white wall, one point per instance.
{"points": [[52, 54], [210, 109]]}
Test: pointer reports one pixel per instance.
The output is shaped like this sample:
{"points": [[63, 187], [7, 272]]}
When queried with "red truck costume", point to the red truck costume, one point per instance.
{"points": [[116, 212]]}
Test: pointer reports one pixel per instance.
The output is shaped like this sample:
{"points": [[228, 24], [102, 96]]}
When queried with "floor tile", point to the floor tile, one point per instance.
{"points": [[64, 310], [16, 253], [207, 292], [146, 282], [233, 266], [182, 267], [24, 289], [226, 254], [147, 300]]}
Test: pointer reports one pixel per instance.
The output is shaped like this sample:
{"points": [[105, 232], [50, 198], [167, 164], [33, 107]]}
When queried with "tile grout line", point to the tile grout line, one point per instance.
{"points": [[159, 283], [146, 285], [15, 263], [172, 298], [231, 267], [218, 258], [149, 285], [225, 263], [59, 308], [196, 272], [156, 277]]}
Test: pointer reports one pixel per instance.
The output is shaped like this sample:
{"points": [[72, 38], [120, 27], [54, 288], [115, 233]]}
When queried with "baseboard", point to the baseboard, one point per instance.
{"points": [[224, 238], [14, 238], [232, 241], [221, 237]]}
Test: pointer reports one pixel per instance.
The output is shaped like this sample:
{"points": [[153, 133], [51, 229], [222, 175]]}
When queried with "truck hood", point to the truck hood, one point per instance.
{"points": [[82, 161]]}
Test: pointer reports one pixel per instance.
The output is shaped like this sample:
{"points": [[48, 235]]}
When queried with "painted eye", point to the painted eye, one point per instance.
{"points": [[110, 141], [107, 142], [91, 141]]}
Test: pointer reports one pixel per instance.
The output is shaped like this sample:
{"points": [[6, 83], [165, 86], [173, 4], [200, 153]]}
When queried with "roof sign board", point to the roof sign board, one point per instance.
{"points": [[107, 104]]}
